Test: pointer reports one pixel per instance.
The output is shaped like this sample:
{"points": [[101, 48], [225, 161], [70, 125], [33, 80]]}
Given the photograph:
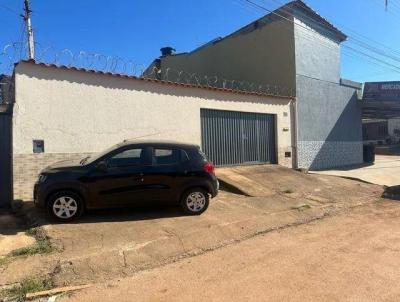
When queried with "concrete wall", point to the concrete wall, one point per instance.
{"points": [[260, 53], [317, 52], [329, 114], [329, 125], [77, 112]]}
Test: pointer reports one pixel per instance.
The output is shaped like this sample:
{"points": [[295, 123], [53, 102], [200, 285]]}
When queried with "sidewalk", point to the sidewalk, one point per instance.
{"points": [[385, 171]]}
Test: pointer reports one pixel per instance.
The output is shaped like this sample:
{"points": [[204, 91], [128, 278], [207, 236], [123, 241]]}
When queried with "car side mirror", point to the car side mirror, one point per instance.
{"points": [[102, 166]]}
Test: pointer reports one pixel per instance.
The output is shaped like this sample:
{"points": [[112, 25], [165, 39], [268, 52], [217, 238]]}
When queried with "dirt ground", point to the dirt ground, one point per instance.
{"points": [[353, 256], [110, 244]]}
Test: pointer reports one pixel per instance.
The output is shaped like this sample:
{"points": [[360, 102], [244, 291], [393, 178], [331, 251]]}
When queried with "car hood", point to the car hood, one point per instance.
{"points": [[63, 165]]}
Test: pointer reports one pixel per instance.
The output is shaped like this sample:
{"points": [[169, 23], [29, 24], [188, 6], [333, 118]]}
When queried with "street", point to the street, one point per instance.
{"points": [[353, 256]]}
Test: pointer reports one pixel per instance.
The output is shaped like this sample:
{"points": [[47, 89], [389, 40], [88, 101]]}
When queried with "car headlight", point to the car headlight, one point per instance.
{"points": [[42, 177]]}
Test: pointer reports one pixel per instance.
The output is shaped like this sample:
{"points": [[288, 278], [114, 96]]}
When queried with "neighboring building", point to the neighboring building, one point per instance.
{"points": [[5, 89], [375, 131], [6, 98], [381, 110], [295, 50], [67, 113], [394, 130]]}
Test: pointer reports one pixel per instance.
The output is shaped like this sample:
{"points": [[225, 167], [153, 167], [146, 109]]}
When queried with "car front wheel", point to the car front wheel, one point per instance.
{"points": [[65, 206], [195, 201]]}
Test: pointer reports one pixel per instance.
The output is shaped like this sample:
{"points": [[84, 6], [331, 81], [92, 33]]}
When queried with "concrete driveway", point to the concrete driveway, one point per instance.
{"points": [[385, 171], [105, 245]]}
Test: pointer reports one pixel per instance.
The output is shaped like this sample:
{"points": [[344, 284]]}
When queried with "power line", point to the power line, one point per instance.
{"points": [[387, 65], [361, 43], [371, 40], [395, 4], [22, 37], [7, 8], [355, 33], [355, 55], [391, 12], [353, 52], [397, 68], [359, 35], [247, 8], [376, 59]]}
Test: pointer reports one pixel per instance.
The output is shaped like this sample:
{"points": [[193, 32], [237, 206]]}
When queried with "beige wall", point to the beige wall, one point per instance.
{"points": [[262, 56], [77, 112]]}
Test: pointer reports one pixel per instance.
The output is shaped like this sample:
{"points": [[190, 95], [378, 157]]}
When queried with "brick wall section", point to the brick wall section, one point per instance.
{"points": [[28, 166]]}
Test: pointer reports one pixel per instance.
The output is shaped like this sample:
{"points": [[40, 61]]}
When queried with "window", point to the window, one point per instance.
{"points": [[130, 157], [167, 156]]}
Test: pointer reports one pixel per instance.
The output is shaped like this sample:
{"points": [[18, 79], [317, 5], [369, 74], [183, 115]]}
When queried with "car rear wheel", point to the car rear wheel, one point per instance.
{"points": [[65, 206], [195, 201]]}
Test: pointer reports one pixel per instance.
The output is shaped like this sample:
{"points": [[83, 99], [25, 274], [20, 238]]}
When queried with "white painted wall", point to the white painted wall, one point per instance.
{"points": [[78, 112]]}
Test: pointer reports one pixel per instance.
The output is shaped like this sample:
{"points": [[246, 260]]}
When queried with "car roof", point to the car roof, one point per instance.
{"points": [[159, 143]]}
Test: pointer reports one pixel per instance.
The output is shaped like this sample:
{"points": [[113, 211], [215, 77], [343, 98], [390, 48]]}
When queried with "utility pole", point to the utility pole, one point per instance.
{"points": [[28, 24]]}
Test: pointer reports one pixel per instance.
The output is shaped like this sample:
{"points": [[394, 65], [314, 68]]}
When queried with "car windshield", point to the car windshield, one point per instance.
{"points": [[91, 158]]}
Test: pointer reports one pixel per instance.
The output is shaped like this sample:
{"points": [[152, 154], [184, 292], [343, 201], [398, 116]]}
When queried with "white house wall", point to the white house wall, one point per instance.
{"points": [[78, 112]]}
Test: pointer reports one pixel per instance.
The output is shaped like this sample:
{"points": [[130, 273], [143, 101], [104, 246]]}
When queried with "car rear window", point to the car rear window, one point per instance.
{"points": [[165, 156], [202, 154]]}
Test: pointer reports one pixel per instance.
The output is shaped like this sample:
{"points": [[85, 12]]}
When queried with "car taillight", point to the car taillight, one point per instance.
{"points": [[209, 167]]}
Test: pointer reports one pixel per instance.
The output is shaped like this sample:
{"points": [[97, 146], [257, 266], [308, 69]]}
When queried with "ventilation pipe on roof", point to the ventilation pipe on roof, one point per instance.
{"points": [[167, 51]]}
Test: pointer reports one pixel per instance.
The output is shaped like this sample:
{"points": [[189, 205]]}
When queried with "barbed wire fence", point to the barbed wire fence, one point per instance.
{"points": [[15, 52]]}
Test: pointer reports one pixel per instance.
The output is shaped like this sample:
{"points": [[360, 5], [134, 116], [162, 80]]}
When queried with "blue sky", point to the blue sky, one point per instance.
{"points": [[136, 29]]}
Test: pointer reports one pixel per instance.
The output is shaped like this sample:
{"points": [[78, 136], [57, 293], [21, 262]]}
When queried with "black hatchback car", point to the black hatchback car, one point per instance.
{"points": [[127, 174]]}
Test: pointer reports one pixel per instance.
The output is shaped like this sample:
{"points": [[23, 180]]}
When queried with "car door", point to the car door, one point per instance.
{"points": [[122, 182], [165, 173]]}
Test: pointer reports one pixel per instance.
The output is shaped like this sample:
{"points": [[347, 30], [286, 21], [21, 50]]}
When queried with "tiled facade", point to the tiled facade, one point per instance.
{"points": [[28, 166], [318, 155]]}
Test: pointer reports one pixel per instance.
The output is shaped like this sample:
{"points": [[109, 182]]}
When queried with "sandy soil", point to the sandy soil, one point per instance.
{"points": [[10, 243], [354, 256]]}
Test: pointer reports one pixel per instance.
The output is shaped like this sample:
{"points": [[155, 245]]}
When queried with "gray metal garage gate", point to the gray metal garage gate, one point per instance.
{"points": [[232, 138]]}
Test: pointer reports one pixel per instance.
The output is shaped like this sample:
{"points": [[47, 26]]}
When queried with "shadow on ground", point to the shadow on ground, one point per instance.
{"points": [[28, 216]]}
